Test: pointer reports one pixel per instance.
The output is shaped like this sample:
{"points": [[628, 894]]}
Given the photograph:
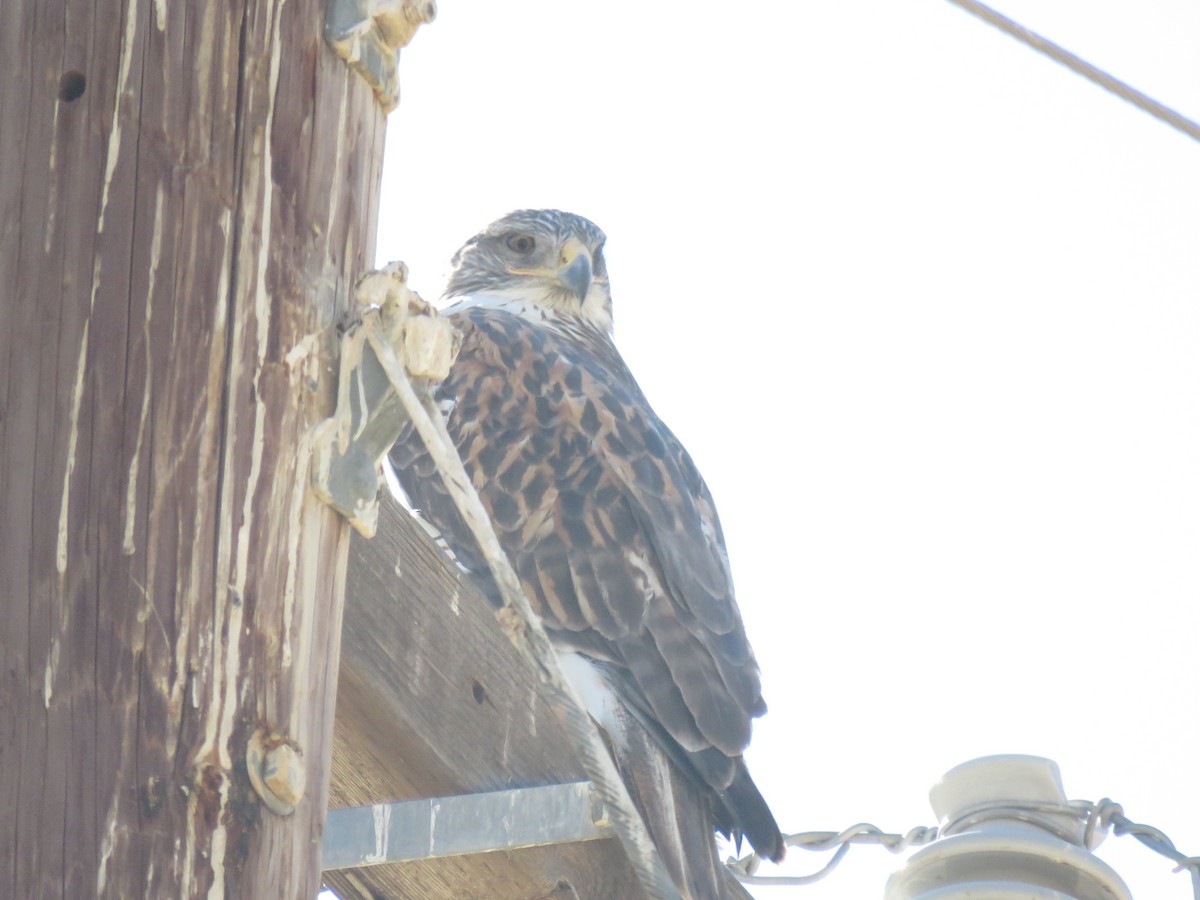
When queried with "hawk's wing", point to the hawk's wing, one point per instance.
{"points": [[609, 525]]}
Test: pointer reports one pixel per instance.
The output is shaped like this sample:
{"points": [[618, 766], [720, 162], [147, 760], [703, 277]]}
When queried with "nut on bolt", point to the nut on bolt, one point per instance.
{"points": [[275, 764]]}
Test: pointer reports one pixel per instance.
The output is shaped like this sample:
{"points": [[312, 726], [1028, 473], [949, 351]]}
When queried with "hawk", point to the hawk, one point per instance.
{"points": [[610, 527]]}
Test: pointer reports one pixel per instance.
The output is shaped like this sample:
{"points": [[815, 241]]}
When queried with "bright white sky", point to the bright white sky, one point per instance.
{"points": [[925, 307]]}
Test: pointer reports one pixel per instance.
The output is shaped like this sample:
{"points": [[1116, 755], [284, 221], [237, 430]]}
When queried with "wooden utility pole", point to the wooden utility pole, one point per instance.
{"points": [[187, 192]]}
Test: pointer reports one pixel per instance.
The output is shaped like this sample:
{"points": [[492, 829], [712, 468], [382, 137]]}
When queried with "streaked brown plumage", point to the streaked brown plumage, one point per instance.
{"points": [[607, 521]]}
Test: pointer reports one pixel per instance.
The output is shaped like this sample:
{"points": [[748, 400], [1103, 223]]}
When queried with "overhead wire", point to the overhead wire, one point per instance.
{"points": [[1096, 819], [1082, 67]]}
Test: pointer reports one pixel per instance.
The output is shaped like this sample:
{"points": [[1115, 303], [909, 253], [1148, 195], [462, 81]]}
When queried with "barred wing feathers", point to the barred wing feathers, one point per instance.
{"points": [[611, 529]]}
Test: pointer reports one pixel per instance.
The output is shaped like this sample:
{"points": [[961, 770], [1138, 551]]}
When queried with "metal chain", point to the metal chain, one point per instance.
{"points": [[1098, 818]]}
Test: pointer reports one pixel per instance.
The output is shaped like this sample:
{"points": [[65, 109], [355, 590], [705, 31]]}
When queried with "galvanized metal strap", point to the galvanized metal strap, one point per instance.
{"points": [[467, 823]]}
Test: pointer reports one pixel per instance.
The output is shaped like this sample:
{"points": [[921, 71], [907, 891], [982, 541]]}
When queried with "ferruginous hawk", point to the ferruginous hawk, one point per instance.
{"points": [[609, 525]]}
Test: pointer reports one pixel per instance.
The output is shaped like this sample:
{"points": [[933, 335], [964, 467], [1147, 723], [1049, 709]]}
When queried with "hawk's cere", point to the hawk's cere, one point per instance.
{"points": [[607, 521]]}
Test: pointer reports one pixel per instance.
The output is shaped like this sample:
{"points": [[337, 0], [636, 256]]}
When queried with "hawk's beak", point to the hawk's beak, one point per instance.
{"points": [[575, 268]]}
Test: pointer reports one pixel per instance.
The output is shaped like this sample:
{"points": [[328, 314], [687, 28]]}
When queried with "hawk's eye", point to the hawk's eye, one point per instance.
{"points": [[522, 243]]}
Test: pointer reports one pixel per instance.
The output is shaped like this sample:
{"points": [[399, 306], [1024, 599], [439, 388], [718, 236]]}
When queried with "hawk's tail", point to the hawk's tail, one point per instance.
{"points": [[675, 805], [749, 815]]}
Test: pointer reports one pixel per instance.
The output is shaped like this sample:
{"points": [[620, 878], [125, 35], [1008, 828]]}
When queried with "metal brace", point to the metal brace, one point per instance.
{"points": [[348, 447], [368, 35], [468, 823]]}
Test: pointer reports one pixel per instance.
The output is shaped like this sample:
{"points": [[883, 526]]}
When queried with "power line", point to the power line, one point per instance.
{"points": [[1097, 819], [1081, 67]]}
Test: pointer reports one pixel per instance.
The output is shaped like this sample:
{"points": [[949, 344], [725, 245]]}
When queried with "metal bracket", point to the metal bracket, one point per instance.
{"points": [[469, 823], [368, 35], [349, 446]]}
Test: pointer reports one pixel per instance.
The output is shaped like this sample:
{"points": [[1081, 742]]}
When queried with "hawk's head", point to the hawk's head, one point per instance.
{"points": [[549, 260]]}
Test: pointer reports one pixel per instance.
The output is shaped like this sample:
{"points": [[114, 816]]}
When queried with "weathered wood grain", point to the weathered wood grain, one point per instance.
{"points": [[434, 700], [177, 227]]}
